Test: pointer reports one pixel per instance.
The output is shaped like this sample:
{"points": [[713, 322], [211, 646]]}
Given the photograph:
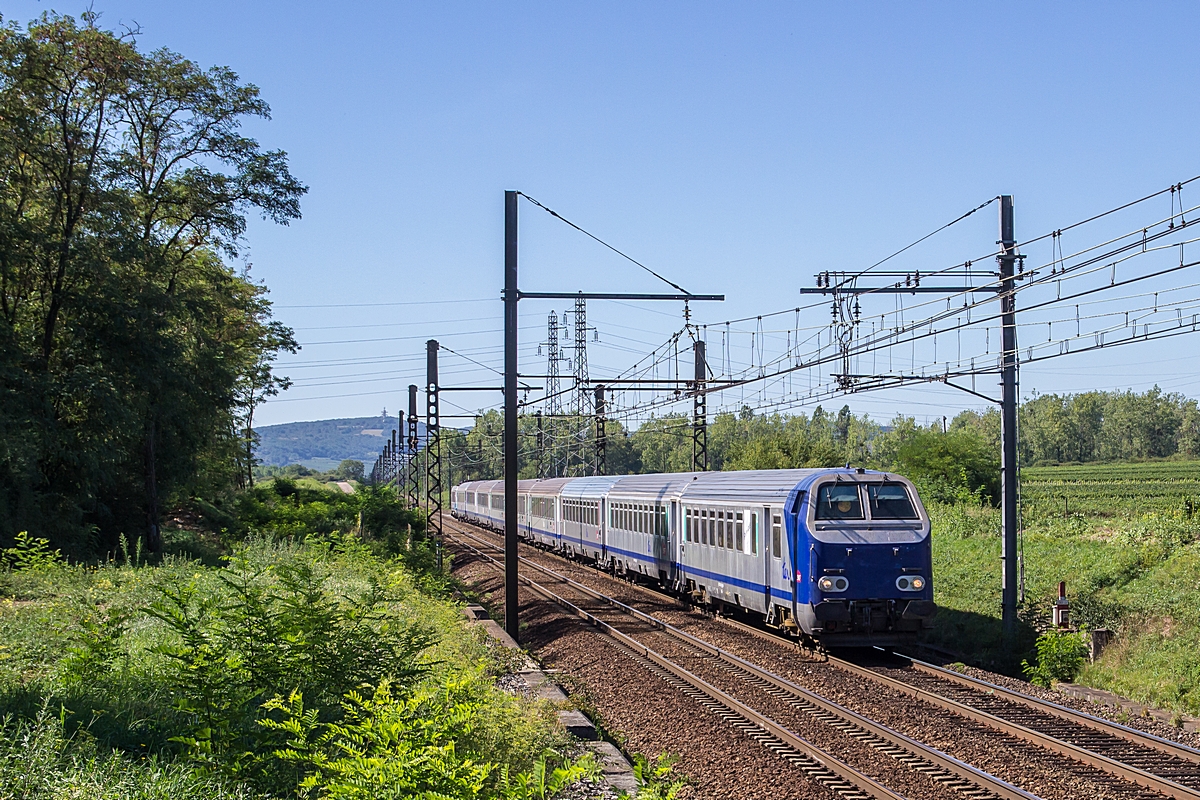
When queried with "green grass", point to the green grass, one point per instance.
{"points": [[1129, 553]]}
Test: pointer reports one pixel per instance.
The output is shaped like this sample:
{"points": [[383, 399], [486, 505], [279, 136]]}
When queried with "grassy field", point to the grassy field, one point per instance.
{"points": [[1124, 539]]}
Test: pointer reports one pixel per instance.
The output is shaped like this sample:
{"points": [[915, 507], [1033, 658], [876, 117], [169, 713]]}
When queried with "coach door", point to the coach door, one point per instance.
{"points": [[673, 540], [758, 530]]}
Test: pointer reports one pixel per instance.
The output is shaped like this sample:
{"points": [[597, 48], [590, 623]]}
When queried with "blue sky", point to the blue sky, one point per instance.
{"points": [[734, 147]]}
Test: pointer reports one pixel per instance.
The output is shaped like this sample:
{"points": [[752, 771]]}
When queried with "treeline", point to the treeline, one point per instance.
{"points": [[954, 465], [132, 355], [1108, 426], [955, 459]]}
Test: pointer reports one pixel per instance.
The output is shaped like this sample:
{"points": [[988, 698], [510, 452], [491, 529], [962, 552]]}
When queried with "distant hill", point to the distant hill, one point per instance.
{"points": [[323, 444]]}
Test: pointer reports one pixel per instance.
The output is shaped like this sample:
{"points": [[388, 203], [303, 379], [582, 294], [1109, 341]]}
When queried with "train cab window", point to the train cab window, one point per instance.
{"points": [[777, 536], [890, 501], [839, 501], [741, 533]]}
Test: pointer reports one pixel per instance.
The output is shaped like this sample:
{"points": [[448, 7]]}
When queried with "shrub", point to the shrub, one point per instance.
{"points": [[31, 554], [395, 746], [657, 779], [1060, 655], [273, 630]]}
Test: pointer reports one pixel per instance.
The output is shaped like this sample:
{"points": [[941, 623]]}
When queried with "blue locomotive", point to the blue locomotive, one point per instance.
{"points": [[841, 556]]}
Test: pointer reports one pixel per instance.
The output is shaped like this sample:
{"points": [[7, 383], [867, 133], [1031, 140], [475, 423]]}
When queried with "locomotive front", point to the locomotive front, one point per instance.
{"points": [[863, 560]]}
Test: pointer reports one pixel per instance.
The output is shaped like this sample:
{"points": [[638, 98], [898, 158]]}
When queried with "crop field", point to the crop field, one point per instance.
{"points": [[1124, 537], [1124, 491]]}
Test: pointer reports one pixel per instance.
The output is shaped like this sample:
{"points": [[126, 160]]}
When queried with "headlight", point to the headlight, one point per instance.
{"points": [[910, 583], [830, 583]]}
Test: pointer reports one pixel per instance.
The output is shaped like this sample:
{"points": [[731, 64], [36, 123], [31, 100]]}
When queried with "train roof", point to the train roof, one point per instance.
{"points": [[756, 485], [751, 484], [596, 486], [668, 484], [544, 485]]}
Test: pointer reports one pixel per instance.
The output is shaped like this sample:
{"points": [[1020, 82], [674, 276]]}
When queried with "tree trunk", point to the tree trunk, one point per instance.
{"points": [[153, 531]]}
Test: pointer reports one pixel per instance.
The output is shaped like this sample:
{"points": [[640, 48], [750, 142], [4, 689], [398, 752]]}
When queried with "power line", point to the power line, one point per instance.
{"points": [[592, 236], [396, 303]]}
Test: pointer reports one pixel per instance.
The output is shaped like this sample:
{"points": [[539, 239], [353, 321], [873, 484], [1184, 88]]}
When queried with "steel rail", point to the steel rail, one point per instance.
{"points": [[893, 743], [1130, 773], [825, 768], [1116, 729]]}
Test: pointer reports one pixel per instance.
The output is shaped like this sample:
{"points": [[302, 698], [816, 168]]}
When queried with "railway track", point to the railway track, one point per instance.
{"points": [[820, 765], [1127, 755]]}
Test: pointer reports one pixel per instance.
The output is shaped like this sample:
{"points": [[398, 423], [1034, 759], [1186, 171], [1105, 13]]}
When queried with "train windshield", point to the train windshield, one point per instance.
{"points": [[839, 501], [890, 501]]}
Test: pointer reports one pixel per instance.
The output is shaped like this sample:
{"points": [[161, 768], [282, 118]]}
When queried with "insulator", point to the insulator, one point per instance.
{"points": [[917, 278]]}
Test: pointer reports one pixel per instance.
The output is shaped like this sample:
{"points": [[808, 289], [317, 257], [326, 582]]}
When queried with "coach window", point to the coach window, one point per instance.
{"points": [[720, 529], [754, 533], [741, 534], [687, 524], [839, 501], [777, 535]]}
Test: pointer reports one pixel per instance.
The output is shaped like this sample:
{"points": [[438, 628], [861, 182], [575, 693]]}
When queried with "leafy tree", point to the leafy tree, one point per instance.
{"points": [[952, 466], [350, 470], [132, 354]]}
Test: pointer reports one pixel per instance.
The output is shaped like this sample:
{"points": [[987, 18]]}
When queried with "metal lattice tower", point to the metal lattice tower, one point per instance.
{"points": [[581, 407], [581, 365], [553, 357], [554, 406], [700, 412], [433, 448]]}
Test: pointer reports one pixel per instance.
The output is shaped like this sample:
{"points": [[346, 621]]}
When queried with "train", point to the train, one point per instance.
{"points": [[837, 557]]}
